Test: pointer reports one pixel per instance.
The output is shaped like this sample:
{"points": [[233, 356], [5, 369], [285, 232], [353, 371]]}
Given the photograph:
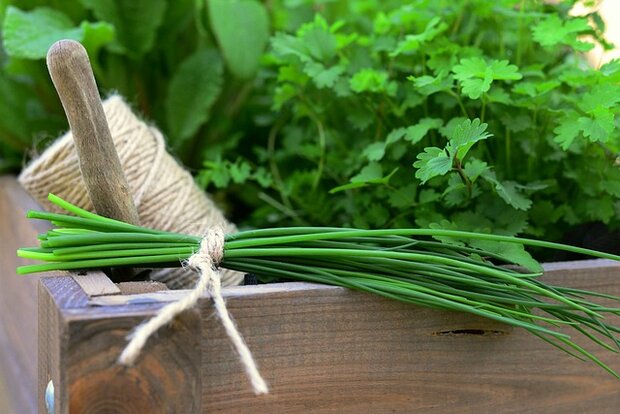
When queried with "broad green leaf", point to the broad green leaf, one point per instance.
{"points": [[375, 151], [605, 96], [318, 40], [475, 87], [611, 187], [412, 42], [192, 91], [428, 85], [242, 31], [136, 21], [552, 31], [431, 163], [598, 127], [476, 76], [456, 191], [503, 70], [369, 80], [465, 135], [28, 35], [395, 135], [370, 174], [508, 191], [416, 132], [474, 168], [240, 171], [287, 45], [321, 76], [567, 130], [512, 252]]}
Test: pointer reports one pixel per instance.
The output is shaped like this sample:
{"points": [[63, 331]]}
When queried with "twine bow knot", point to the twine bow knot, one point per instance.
{"points": [[206, 261]]}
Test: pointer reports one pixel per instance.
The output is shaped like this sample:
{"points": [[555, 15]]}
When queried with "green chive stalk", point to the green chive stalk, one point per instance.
{"points": [[401, 264]]}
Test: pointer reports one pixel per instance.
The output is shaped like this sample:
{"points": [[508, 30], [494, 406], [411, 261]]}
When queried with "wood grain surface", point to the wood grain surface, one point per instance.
{"points": [[322, 349], [18, 302], [327, 350]]}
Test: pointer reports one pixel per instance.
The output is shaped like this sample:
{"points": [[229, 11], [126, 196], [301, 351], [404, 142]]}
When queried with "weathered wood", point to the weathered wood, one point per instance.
{"points": [[327, 349], [96, 283], [321, 348], [69, 67], [18, 302]]}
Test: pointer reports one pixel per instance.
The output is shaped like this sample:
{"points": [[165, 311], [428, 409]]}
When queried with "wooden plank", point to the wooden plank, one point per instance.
{"points": [[18, 302], [96, 283], [327, 349]]}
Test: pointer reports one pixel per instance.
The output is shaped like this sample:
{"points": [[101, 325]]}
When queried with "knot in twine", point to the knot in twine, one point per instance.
{"points": [[206, 261]]}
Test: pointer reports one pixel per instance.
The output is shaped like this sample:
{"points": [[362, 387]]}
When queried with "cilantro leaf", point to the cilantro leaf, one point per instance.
{"points": [[369, 80], [599, 126], [476, 76], [511, 252], [413, 42], [567, 130], [415, 133], [465, 135], [551, 31], [432, 163], [321, 76], [474, 168]]}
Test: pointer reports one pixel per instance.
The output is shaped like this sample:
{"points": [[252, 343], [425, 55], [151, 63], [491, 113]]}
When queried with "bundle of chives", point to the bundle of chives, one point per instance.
{"points": [[402, 264]]}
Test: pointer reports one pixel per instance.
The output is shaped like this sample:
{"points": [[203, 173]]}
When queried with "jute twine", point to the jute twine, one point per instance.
{"points": [[163, 192], [206, 263]]}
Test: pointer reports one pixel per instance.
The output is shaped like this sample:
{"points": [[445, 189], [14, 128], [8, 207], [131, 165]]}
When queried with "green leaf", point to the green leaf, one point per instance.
{"points": [[474, 87], [369, 80], [136, 22], [465, 135], [474, 169], [240, 171], [605, 96], [476, 76], [370, 174], [287, 45], [192, 91], [598, 127], [512, 252], [375, 151], [28, 35], [412, 42], [428, 85], [551, 31], [567, 130], [318, 40], [507, 190], [415, 133], [431, 163], [323, 77], [241, 28], [503, 70]]}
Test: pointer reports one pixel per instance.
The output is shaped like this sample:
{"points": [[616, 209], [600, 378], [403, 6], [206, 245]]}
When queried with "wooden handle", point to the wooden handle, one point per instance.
{"points": [[71, 73]]}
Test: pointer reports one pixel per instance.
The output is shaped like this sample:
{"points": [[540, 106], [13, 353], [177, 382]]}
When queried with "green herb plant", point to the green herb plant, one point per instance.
{"points": [[402, 264], [471, 115], [186, 65]]}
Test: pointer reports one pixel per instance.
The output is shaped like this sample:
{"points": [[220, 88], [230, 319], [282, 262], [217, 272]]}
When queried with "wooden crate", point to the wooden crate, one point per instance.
{"points": [[321, 349]]}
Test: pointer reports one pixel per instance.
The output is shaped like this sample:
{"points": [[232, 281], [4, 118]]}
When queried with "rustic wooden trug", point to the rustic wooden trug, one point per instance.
{"points": [[322, 349]]}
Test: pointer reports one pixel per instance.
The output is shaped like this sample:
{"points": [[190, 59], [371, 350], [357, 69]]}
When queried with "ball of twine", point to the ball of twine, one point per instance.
{"points": [[164, 193]]}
